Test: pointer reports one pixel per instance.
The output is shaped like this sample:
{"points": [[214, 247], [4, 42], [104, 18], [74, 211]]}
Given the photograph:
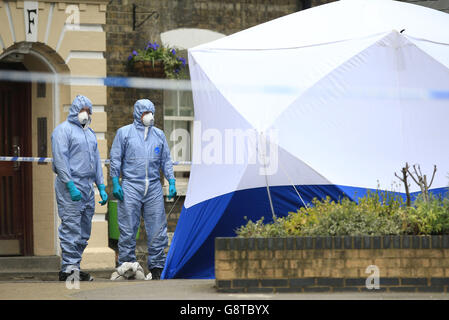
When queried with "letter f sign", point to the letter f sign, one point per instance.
{"points": [[31, 10], [30, 20]]}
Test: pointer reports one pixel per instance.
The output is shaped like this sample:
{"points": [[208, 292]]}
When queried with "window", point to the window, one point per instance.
{"points": [[178, 123]]}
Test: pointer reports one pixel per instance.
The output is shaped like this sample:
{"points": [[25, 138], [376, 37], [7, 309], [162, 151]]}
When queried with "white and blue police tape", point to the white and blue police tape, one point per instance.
{"points": [[26, 159], [249, 88], [46, 160], [125, 82]]}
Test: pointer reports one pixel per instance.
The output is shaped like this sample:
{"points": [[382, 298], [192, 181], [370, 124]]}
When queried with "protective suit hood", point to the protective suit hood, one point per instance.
{"points": [[140, 107], [78, 103]]}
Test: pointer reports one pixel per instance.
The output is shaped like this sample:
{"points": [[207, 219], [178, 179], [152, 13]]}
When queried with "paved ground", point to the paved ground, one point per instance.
{"points": [[172, 290]]}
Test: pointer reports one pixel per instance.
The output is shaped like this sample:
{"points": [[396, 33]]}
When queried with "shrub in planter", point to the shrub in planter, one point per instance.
{"points": [[377, 213], [429, 217], [260, 230]]}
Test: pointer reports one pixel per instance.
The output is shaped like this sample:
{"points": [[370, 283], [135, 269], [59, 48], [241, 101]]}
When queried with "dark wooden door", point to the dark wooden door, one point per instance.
{"points": [[15, 177]]}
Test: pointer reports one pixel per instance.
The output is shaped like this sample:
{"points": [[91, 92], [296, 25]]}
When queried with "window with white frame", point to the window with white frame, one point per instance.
{"points": [[178, 123]]}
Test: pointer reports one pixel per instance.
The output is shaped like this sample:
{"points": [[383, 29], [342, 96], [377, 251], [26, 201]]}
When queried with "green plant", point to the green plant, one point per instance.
{"points": [[260, 230], [174, 65], [429, 216], [376, 213]]}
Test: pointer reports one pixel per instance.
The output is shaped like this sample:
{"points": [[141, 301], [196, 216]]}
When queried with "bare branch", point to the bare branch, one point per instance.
{"points": [[411, 175], [433, 175], [418, 175], [414, 169], [399, 177], [406, 185]]}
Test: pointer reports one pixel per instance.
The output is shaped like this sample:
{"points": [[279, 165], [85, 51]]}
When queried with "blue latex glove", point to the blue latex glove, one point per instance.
{"points": [[103, 194], [171, 189], [75, 194], [117, 190]]}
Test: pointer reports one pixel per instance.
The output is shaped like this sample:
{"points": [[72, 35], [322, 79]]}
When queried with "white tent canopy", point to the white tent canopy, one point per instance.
{"points": [[346, 93], [349, 95]]}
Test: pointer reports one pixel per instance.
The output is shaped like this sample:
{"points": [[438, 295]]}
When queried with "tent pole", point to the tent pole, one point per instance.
{"points": [[269, 198], [291, 182], [266, 181]]}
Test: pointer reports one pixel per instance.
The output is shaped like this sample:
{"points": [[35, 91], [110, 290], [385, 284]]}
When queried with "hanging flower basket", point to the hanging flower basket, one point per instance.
{"points": [[149, 69], [156, 61]]}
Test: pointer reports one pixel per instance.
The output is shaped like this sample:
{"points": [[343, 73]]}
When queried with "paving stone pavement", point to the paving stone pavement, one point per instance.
{"points": [[174, 289]]}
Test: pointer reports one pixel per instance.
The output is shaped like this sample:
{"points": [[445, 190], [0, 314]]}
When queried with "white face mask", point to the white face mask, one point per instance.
{"points": [[148, 119], [83, 117]]}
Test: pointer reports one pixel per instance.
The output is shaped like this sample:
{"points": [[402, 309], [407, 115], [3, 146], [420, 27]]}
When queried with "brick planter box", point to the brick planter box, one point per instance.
{"points": [[332, 264]]}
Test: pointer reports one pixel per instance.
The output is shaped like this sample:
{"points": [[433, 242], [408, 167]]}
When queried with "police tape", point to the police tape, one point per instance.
{"points": [[124, 82], [46, 160], [356, 92]]}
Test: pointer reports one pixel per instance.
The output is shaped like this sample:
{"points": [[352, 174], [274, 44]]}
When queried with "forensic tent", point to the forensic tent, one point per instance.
{"points": [[329, 101]]}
